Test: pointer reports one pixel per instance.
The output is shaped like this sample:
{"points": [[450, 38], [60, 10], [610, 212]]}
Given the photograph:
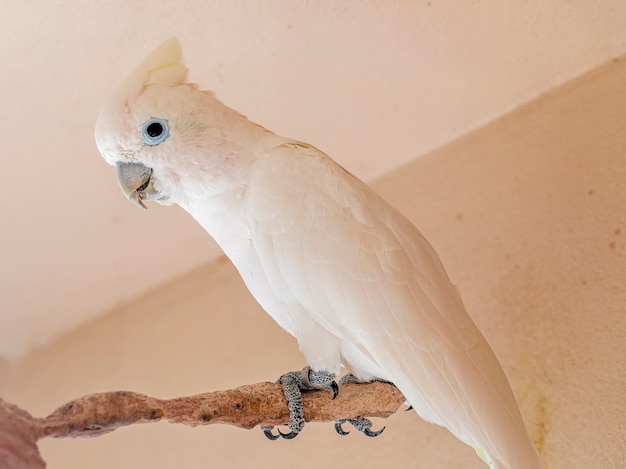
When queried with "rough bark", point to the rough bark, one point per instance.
{"points": [[245, 407]]}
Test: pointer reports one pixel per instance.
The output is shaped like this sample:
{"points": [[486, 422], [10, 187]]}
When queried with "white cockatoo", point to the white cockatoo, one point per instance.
{"points": [[336, 266]]}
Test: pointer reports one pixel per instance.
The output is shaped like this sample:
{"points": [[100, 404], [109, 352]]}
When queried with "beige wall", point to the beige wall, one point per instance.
{"points": [[373, 82], [528, 214]]}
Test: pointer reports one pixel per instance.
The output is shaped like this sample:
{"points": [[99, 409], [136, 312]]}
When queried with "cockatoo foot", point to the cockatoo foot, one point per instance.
{"points": [[293, 383], [360, 423]]}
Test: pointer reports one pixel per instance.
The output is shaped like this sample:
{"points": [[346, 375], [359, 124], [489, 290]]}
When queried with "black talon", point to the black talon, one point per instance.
{"points": [[267, 431], [372, 434], [408, 408], [288, 436], [335, 389], [362, 424], [339, 429]]}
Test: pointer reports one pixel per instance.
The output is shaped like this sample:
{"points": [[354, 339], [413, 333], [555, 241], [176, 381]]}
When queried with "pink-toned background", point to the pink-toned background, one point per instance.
{"points": [[527, 212]]}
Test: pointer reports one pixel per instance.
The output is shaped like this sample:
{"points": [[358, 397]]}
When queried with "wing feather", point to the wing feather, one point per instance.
{"points": [[366, 275], [353, 253]]}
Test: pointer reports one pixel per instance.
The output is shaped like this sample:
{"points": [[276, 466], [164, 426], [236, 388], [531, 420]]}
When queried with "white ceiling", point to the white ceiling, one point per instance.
{"points": [[373, 83]]}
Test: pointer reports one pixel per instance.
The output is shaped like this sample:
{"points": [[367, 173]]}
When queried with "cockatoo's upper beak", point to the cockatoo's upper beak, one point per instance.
{"points": [[136, 182]]}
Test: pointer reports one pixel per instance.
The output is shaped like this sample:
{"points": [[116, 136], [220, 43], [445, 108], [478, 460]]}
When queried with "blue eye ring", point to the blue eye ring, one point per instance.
{"points": [[155, 130]]}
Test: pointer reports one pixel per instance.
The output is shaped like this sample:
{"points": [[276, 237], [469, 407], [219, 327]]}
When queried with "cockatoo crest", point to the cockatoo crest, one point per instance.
{"points": [[164, 66]]}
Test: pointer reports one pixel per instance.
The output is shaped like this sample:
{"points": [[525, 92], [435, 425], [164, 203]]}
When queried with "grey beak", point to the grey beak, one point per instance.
{"points": [[135, 181]]}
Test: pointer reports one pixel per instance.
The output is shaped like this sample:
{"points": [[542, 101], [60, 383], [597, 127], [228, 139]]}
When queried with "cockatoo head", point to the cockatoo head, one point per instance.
{"points": [[163, 135]]}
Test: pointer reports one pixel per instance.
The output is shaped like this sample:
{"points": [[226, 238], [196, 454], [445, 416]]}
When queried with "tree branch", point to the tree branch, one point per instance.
{"points": [[245, 407]]}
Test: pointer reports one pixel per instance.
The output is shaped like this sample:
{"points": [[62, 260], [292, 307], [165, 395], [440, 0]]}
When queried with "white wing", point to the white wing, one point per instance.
{"points": [[367, 276]]}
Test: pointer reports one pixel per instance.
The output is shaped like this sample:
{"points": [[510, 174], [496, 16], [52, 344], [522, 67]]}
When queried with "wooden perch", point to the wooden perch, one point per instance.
{"points": [[244, 407]]}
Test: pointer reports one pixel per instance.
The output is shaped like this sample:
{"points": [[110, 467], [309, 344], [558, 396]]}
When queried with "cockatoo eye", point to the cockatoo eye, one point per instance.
{"points": [[155, 130]]}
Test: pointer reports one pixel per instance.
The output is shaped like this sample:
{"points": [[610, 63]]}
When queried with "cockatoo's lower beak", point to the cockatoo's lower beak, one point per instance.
{"points": [[136, 182]]}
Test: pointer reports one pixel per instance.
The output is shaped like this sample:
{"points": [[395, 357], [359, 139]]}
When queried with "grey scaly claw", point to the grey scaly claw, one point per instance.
{"points": [[293, 383], [361, 424], [290, 435], [312, 380], [339, 429], [267, 431], [349, 378], [372, 434]]}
